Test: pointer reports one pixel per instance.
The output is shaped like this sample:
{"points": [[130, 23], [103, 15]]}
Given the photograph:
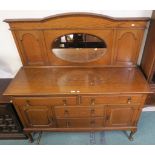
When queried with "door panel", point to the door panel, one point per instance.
{"points": [[127, 46], [37, 116], [121, 116], [33, 115], [32, 47]]}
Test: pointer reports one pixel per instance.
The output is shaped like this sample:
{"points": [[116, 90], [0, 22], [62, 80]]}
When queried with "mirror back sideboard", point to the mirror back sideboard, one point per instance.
{"points": [[34, 38], [79, 73]]}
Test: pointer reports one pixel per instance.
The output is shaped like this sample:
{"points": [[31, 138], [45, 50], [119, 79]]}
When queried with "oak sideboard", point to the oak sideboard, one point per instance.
{"points": [[79, 73]]}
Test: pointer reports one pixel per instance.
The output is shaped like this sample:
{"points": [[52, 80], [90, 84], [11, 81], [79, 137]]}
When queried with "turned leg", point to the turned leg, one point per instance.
{"points": [[39, 138], [131, 135], [31, 140], [92, 137]]}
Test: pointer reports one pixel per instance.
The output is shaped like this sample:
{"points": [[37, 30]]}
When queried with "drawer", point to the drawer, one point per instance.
{"points": [[111, 99], [79, 111], [80, 123], [68, 100]]}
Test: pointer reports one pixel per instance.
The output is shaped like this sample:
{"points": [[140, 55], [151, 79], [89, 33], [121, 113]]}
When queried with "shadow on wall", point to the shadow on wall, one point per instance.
{"points": [[5, 70]]}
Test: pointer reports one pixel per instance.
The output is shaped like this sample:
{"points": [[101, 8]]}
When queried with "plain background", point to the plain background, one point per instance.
{"points": [[9, 58]]}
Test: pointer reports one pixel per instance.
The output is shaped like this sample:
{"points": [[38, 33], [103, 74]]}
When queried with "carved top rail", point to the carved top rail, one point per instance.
{"points": [[77, 20]]}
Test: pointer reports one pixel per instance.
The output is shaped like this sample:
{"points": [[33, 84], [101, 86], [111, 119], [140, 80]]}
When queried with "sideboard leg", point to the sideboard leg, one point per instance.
{"points": [[131, 135], [92, 137], [39, 138], [31, 140]]}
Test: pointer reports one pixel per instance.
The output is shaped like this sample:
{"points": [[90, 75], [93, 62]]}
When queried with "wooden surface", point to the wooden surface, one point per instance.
{"points": [[50, 81], [34, 38], [51, 94]]}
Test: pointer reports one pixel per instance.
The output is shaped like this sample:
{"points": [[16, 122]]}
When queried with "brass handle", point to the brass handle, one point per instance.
{"points": [[92, 122], [79, 100], [107, 118], [51, 120], [27, 105], [129, 100], [92, 111], [66, 113], [92, 102], [64, 102]]}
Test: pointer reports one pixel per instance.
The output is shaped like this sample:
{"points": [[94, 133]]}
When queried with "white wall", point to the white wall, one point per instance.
{"points": [[9, 58]]}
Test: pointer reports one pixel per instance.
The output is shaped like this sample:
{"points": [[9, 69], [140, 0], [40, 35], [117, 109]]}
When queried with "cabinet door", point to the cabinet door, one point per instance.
{"points": [[127, 47], [121, 116], [31, 47], [33, 115]]}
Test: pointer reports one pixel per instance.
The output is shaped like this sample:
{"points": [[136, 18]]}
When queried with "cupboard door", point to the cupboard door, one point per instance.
{"points": [[32, 47], [117, 116], [33, 115], [127, 46]]}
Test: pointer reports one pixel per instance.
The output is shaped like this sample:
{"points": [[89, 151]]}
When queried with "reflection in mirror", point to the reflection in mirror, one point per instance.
{"points": [[79, 47]]}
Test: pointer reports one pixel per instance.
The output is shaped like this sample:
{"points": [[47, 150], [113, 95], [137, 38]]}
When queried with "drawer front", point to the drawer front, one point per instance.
{"points": [[80, 123], [79, 111], [93, 100], [68, 100]]}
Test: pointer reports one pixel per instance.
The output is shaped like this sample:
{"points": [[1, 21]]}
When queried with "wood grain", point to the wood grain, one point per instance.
{"points": [[50, 81], [51, 94], [34, 38]]}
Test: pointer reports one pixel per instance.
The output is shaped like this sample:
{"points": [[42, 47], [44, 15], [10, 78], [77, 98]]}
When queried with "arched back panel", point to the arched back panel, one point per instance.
{"points": [[105, 41]]}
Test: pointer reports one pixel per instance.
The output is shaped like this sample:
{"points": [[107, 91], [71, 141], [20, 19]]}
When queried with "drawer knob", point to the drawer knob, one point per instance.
{"points": [[92, 111], [27, 101], [92, 122], [92, 102], [129, 100], [27, 105], [51, 120], [64, 102], [132, 25], [66, 113], [11, 101], [107, 118]]}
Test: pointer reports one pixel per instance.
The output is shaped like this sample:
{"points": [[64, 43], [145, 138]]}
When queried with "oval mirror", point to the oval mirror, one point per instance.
{"points": [[79, 47]]}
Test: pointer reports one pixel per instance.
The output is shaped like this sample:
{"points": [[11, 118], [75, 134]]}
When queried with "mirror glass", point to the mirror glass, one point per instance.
{"points": [[79, 47]]}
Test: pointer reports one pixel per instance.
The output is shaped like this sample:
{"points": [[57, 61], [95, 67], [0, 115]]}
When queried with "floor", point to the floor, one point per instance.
{"points": [[144, 135]]}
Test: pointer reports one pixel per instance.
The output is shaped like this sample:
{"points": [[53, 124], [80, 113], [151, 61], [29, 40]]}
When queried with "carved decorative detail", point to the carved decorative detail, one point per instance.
{"points": [[126, 47]]}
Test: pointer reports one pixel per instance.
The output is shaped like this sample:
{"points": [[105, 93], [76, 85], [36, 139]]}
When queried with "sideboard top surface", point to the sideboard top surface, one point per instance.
{"points": [[77, 80]]}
